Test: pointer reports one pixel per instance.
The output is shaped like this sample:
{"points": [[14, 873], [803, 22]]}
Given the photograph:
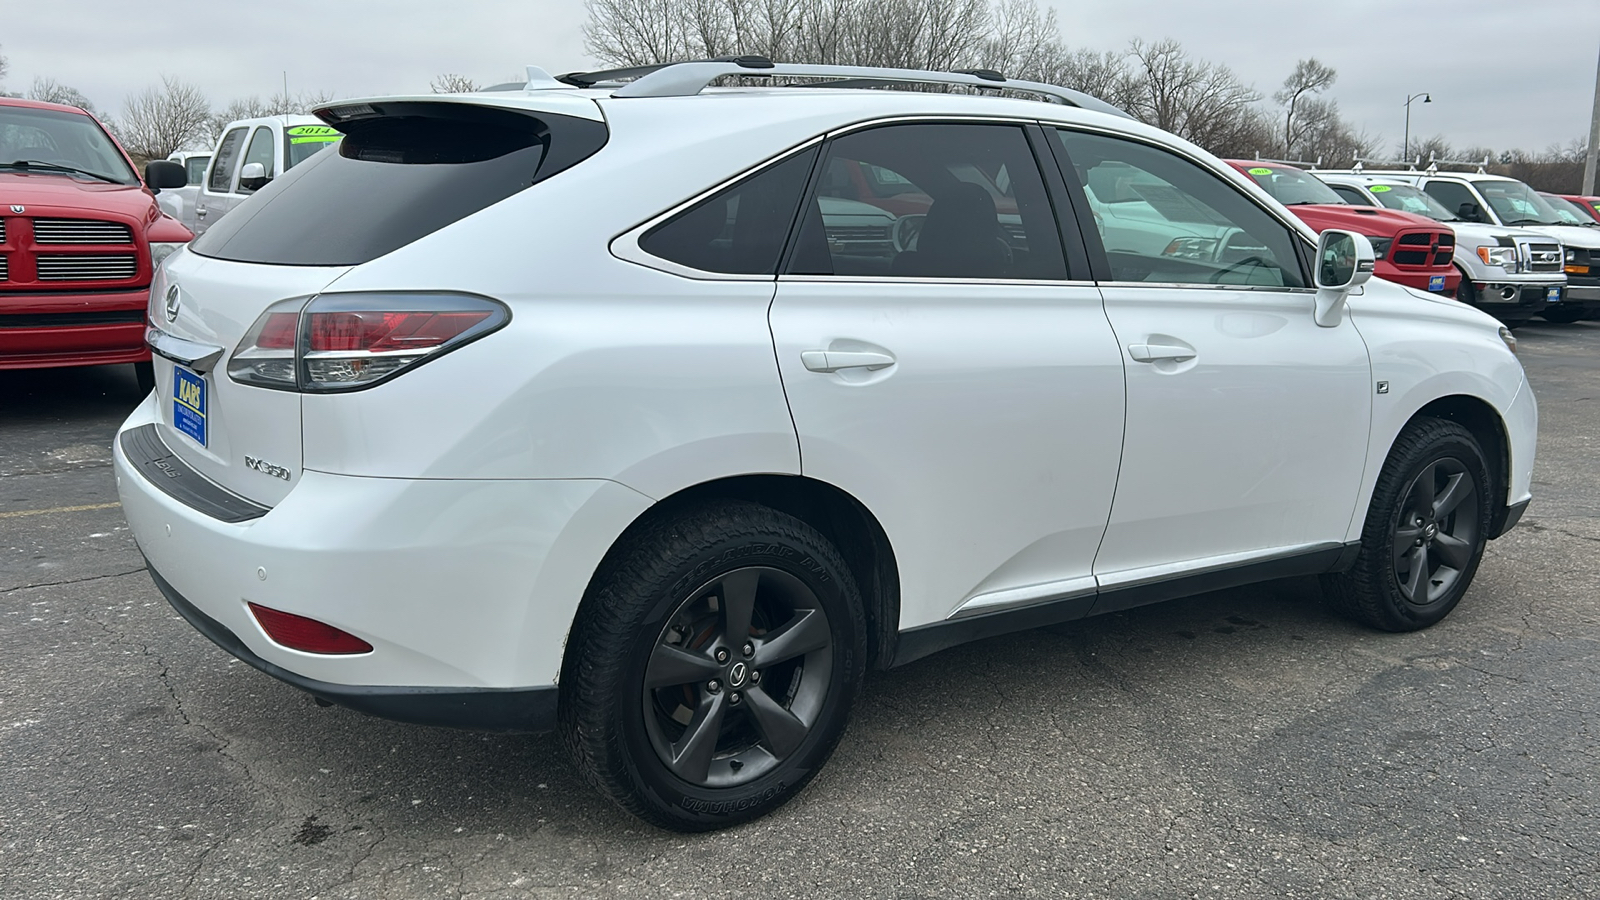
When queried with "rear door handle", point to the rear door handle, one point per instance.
{"points": [[834, 360], [1158, 352]]}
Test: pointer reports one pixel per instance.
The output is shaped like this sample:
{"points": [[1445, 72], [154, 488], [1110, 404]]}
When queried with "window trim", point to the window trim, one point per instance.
{"points": [[216, 159], [625, 246], [1101, 264], [245, 153]]}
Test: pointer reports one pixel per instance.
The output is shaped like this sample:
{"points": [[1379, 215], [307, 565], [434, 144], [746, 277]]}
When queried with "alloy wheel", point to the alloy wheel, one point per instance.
{"points": [[1437, 531]]}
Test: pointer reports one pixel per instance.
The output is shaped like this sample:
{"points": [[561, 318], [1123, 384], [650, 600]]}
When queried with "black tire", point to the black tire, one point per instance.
{"points": [[1562, 315], [1425, 532], [144, 375], [1466, 291], [657, 610]]}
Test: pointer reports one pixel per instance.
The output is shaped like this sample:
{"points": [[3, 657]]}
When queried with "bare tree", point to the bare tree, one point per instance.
{"points": [[157, 121], [451, 83], [51, 91], [1308, 79], [1201, 101], [4, 65], [254, 106]]}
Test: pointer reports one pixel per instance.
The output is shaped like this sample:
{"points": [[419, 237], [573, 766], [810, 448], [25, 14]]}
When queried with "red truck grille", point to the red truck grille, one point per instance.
{"points": [[1424, 249], [60, 253]]}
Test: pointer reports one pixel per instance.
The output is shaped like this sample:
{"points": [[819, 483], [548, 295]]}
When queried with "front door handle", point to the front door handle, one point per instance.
{"points": [[1158, 352], [834, 360], [200, 211]]}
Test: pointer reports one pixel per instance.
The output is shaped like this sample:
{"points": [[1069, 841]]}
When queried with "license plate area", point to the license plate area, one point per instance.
{"points": [[189, 404], [1553, 295], [1436, 282]]}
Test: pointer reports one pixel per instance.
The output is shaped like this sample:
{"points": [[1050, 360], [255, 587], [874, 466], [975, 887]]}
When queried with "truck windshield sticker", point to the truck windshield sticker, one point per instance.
{"points": [[313, 134], [1378, 188], [1260, 170]]}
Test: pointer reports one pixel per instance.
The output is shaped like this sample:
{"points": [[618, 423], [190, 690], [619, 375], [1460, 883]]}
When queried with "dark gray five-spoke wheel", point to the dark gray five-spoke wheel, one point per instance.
{"points": [[1434, 541], [737, 677], [1425, 530]]}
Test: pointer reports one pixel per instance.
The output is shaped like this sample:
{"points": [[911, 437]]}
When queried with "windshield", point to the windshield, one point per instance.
{"points": [[1568, 211], [1406, 198], [1517, 204], [73, 140], [304, 140], [1292, 186]]}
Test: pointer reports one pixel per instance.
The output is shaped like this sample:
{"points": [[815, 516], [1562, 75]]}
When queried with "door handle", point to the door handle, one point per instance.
{"points": [[834, 360], [200, 211], [1158, 352]]}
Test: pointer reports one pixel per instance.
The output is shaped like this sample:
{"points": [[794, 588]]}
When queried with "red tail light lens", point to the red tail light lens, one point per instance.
{"points": [[343, 342], [307, 635]]}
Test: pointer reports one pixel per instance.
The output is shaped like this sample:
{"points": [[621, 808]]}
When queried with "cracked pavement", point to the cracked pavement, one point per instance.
{"points": [[1240, 744]]}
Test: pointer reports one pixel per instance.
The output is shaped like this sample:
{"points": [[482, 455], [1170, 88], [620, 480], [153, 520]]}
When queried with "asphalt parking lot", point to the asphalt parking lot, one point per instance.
{"points": [[1240, 744]]}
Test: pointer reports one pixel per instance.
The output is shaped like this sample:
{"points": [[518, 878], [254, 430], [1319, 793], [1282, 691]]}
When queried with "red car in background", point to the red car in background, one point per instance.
{"points": [[1589, 205], [1412, 250], [80, 238]]}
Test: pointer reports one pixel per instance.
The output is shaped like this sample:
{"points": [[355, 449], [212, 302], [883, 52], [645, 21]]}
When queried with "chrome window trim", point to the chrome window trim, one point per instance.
{"points": [[1184, 285], [930, 279]]}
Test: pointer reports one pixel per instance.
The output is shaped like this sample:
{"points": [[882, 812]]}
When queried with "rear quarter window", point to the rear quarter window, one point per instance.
{"points": [[397, 177]]}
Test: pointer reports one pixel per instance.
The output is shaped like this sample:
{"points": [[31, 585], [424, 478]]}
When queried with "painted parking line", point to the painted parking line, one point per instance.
{"points": [[59, 509]]}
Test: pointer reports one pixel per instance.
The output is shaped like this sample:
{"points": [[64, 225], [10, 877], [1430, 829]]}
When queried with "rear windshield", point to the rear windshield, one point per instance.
{"points": [[395, 177]]}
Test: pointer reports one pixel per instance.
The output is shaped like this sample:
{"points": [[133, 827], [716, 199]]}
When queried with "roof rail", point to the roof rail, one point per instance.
{"points": [[1434, 163], [686, 79], [1361, 163], [1289, 162]]}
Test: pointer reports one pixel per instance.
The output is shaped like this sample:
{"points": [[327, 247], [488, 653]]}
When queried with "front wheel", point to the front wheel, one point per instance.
{"points": [[144, 375], [1425, 531], [711, 669]]}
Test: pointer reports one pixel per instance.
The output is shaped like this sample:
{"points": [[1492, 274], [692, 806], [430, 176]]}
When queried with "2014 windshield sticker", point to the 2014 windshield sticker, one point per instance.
{"points": [[1379, 188], [313, 134], [1261, 170]]}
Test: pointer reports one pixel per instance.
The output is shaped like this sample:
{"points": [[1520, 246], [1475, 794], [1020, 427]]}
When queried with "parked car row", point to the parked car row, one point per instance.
{"points": [[1511, 251]]}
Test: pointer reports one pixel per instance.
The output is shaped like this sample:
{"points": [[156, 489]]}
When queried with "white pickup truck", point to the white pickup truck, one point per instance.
{"points": [[251, 153], [1512, 274], [179, 202]]}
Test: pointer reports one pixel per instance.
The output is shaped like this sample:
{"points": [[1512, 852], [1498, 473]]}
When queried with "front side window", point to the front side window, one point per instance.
{"points": [[739, 230], [73, 142], [227, 155], [195, 166], [1165, 219], [1352, 195], [260, 152], [930, 200]]}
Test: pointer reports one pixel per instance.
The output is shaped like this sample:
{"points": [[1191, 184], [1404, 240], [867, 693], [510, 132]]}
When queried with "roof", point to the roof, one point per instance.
{"points": [[40, 104]]}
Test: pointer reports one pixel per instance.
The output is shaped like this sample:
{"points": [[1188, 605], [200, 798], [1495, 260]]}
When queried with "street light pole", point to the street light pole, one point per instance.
{"points": [[1405, 148], [1591, 158]]}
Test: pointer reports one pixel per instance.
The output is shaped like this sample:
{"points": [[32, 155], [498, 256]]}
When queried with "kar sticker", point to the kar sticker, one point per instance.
{"points": [[1379, 188]]}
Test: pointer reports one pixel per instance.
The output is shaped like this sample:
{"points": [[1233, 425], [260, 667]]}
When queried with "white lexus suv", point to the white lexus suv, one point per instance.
{"points": [[584, 405]]}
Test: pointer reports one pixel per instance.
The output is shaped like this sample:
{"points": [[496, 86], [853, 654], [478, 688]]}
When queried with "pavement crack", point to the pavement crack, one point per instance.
{"points": [[44, 584]]}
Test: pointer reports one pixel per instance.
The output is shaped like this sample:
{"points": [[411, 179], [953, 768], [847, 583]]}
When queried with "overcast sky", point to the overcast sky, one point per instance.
{"points": [[1501, 73]]}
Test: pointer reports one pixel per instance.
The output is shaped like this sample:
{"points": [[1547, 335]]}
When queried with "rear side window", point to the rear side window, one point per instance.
{"points": [[1353, 195], [227, 152], [260, 152], [395, 177], [741, 229]]}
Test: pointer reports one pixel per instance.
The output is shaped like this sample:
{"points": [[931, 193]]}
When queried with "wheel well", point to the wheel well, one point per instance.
{"points": [[1486, 425], [841, 518]]}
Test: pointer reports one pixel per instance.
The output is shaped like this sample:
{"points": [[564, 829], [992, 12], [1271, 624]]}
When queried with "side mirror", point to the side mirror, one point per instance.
{"points": [[1469, 212], [253, 177], [163, 174], [1345, 261]]}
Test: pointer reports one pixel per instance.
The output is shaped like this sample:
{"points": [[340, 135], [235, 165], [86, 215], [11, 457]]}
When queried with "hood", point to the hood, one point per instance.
{"points": [[1473, 234], [1585, 236], [44, 194], [1369, 220]]}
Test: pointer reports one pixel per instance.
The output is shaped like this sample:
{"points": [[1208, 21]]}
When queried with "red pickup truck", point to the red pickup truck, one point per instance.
{"points": [[1412, 250], [80, 237]]}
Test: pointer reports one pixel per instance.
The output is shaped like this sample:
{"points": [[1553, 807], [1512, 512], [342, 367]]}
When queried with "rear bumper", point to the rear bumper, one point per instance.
{"points": [[72, 329], [466, 589], [531, 709]]}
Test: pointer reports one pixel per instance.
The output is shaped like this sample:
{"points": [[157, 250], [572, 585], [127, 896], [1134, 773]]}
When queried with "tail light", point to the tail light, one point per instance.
{"points": [[345, 342], [306, 635]]}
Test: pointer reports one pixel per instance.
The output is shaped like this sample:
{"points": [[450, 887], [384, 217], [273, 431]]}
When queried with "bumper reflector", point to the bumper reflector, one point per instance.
{"points": [[307, 635]]}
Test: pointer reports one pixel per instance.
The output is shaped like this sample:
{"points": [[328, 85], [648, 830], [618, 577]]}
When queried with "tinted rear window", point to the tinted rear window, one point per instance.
{"points": [[396, 178]]}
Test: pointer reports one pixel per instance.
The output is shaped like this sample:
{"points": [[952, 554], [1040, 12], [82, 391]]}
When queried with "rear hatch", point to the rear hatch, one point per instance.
{"points": [[209, 420], [406, 168]]}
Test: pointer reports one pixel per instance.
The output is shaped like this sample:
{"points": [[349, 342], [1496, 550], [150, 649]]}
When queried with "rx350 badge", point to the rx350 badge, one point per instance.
{"points": [[266, 468]]}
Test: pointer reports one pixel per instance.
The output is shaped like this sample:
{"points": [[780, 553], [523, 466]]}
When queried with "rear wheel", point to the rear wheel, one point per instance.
{"points": [[712, 667], [1425, 531]]}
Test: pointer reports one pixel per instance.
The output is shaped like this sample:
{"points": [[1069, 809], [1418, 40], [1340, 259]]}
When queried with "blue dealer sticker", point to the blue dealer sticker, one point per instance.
{"points": [[1553, 295], [1436, 283], [189, 404]]}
